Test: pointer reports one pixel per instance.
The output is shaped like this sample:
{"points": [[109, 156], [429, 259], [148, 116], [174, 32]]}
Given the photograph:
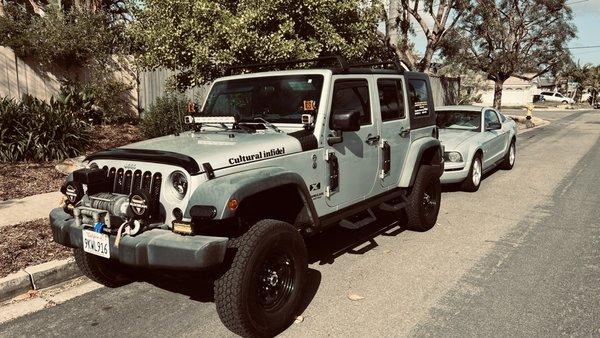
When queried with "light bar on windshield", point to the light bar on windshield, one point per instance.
{"points": [[209, 119]]}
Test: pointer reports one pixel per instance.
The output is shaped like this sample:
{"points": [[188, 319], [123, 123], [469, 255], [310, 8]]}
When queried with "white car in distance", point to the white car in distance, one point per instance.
{"points": [[556, 97]]}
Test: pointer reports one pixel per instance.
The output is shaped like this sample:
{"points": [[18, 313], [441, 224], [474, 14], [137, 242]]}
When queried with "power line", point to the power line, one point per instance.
{"points": [[583, 47]]}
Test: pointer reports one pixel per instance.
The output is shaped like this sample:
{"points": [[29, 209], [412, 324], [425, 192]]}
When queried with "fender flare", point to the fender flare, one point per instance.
{"points": [[415, 153], [217, 192]]}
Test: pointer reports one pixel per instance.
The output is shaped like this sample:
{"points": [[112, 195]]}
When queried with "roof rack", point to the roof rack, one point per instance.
{"points": [[397, 64], [338, 58]]}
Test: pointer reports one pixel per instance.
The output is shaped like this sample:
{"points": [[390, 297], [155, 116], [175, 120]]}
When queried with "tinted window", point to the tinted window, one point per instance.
{"points": [[490, 116], [391, 99], [352, 95], [277, 99], [546, 93], [459, 119], [419, 97]]}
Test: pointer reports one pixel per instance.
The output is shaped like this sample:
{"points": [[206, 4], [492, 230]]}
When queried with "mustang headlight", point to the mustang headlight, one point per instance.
{"points": [[179, 184], [453, 156]]}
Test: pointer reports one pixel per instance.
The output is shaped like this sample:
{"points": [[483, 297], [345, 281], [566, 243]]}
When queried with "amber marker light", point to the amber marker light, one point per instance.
{"points": [[232, 204]]}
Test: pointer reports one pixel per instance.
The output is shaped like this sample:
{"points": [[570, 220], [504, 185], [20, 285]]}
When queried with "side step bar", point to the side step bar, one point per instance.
{"points": [[353, 225], [392, 206]]}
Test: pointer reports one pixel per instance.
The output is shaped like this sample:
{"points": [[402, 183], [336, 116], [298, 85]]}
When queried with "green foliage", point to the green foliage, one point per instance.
{"points": [[164, 117], [79, 103], [65, 38], [101, 99], [200, 38], [14, 29], [35, 130]]}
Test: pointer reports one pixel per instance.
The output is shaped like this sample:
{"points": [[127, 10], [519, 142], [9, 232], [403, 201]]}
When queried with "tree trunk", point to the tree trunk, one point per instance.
{"points": [[37, 9], [2, 13], [498, 93]]}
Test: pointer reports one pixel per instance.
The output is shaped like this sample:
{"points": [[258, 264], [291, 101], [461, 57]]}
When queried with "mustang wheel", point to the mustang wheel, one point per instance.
{"points": [[473, 180], [260, 293], [424, 200], [511, 155], [100, 270]]}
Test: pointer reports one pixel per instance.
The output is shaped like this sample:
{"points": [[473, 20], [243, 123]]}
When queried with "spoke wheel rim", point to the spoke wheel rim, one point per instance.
{"points": [[275, 280], [429, 200], [512, 156], [476, 176]]}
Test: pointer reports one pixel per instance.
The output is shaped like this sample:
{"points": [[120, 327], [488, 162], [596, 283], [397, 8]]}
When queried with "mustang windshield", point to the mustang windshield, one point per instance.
{"points": [[276, 99], [465, 120]]}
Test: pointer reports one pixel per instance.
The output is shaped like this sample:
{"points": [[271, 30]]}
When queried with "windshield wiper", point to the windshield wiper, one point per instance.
{"points": [[268, 124]]}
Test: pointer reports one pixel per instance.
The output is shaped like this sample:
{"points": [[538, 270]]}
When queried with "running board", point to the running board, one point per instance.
{"points": [[368, 219], [389, 206]]}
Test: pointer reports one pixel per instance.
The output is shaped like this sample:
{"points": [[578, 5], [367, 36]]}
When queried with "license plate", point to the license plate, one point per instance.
{"points": [[96, 243]]}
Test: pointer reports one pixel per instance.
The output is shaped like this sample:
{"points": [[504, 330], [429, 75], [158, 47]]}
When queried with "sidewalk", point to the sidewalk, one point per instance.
{"points": [[28, 208]]}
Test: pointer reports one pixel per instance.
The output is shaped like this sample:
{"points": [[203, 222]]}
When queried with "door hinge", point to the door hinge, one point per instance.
{"points": [[334, 173], [386, 165]]}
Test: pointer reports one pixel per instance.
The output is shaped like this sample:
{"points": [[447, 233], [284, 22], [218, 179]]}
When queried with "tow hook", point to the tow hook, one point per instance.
{"points": [[129, 227]]}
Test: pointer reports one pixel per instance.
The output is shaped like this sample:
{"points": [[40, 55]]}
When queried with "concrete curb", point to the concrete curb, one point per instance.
{"points": [[38, 277]]}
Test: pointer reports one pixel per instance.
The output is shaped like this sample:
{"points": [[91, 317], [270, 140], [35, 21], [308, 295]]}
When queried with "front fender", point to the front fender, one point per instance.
{"points": [[217, 192], [413, 159]]}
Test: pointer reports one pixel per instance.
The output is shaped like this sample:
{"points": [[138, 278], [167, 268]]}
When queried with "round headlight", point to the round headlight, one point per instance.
{"points": [[179, 183], [454, 156]]}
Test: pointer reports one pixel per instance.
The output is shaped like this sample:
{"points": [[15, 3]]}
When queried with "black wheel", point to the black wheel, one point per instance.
{"points": [[258, 296], [509, 158], [424, 200], [473, 180], [100, 270], [565, 102]]}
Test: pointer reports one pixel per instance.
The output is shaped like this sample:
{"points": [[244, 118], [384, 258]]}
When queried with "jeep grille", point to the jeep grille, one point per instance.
{"points": [[127, 181]]}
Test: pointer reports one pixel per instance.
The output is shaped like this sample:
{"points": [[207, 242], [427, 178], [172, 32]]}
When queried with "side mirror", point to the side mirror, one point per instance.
{"points": [[345, 120], [493, 126]]}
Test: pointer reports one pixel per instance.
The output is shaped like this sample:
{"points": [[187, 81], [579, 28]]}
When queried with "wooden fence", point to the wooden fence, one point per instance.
{"points": [[18, 77]]}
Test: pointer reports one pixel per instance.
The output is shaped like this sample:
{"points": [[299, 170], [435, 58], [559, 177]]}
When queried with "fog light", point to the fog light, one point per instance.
{"points": [[183, 228]]}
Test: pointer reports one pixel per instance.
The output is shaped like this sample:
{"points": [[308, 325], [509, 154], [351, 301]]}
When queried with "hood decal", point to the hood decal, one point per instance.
{"points": [[257, 156]]}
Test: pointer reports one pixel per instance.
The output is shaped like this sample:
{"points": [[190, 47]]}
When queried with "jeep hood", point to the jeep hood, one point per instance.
{"points": [[219, 149], [453, 138]]}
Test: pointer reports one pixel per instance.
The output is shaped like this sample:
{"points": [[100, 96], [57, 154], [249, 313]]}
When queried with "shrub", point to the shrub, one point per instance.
{"points": [[35, 130], [164, 117]]}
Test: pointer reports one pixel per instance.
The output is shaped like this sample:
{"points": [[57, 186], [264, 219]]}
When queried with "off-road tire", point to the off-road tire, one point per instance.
{"points": [[421, 217], [506, 162], [468, 184], [237, 291], [100, 270]]}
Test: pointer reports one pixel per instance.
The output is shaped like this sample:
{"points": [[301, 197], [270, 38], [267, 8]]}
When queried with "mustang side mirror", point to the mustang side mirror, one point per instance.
{"points": [[341, 121], [493, 126]]}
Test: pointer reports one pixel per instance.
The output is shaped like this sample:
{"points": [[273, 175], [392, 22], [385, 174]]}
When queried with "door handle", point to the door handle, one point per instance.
{"points": [[404, 132], [372, 140]]}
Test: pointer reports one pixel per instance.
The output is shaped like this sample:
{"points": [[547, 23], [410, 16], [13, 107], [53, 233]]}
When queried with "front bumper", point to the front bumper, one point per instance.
{"points": [[454, 173], [157, 248]]}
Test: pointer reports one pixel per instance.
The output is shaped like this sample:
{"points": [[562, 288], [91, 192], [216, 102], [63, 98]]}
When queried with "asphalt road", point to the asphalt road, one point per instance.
{"points": [[521, 257]]}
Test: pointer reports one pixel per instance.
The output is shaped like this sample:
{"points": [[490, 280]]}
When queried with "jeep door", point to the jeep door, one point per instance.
{"points": [[394, 129], [353, 163]]}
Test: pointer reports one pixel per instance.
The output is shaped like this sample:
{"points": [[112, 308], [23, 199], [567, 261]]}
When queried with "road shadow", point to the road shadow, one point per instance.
{"points": [[323, 248]]}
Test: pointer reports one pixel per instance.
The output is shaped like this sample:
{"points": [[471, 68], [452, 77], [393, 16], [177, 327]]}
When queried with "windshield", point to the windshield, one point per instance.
{"points": [[465, 120], [276, 99]]}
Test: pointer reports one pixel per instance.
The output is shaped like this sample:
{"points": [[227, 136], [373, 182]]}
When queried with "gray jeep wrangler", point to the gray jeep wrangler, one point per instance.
{"points": [[270, 159]]}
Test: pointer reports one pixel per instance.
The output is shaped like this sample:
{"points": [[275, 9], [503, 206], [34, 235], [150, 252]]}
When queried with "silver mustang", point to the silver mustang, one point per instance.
{"points": [[476, 139]]}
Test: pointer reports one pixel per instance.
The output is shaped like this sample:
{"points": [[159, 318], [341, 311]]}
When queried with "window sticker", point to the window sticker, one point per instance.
{"points": [[310, 105], [421, 108]]}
